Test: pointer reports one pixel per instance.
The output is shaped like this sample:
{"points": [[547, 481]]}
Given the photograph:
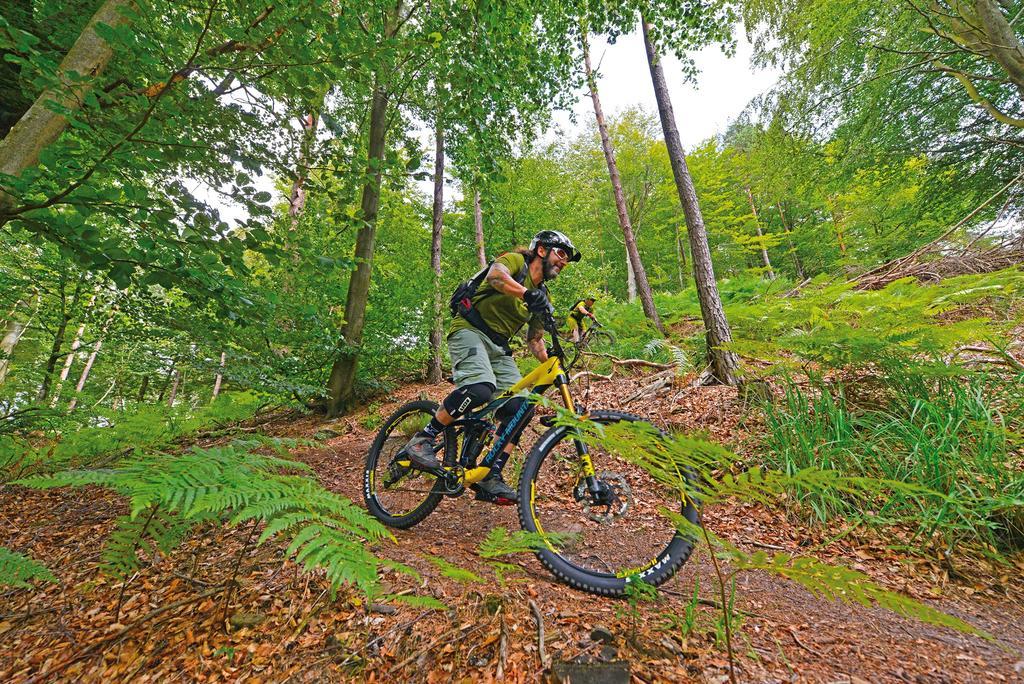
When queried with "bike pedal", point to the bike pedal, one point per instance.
{"points": [[496, 500]]}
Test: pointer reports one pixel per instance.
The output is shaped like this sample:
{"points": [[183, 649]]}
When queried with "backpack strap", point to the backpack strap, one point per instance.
{"points": [[472, 315]]}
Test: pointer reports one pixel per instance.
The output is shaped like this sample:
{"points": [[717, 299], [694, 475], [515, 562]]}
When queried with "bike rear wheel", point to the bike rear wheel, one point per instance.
{"points": [[401, 496], [606, 548]]}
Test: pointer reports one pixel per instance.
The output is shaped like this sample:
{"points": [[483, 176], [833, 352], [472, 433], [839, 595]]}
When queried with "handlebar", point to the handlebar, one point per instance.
{"points": [[551, 326]]}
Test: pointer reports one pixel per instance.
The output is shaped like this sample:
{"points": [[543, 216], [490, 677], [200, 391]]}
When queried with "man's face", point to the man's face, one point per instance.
{"points": [[555, 259]]}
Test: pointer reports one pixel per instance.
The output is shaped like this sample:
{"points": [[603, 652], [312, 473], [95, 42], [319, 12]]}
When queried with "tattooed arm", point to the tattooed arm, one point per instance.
{"points": [[500, 278]]}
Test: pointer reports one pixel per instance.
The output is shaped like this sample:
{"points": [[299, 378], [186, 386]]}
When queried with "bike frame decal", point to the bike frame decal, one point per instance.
{"points": [[506, 434]]}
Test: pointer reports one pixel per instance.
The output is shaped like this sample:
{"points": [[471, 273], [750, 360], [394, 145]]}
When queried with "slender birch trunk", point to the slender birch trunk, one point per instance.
{"points": [[92, 359], [757, 225], [174, 388], [70, 359], [478, 223], [630, 279], [723, 364], [167, 381], [789, 241], [66, 370], [220, 375], [41, 125], [681, 262], [12, 335], [58, 339], [434, 367], [643, 287], [297, 196]]}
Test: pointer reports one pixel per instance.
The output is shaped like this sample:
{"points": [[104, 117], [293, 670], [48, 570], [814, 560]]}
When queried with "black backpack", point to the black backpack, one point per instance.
{"points": [[461, 304]]}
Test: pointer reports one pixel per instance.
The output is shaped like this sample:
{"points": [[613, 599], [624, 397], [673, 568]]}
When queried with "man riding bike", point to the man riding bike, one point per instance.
{"points": [[584, 308], [513, 293]]}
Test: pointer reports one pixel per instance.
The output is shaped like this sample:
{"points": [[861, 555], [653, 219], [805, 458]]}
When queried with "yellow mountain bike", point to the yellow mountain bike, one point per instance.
{"points": [[604, 510]]}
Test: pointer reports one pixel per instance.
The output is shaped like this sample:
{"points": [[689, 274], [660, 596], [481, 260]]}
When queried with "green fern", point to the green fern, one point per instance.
{"points": [[678, 355], [834, 582], [169, 494], [416, 601], [453, 571], [20, 571], [703, 472], [500, 543], [156, 531]]}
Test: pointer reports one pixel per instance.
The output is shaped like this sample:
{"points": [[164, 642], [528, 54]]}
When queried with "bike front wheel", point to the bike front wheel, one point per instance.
{"points": [[600, 341], [600, 549], [399, 495]]}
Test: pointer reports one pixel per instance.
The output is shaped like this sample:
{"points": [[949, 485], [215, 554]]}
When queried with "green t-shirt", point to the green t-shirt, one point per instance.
{"points": [[504, 313], [577, 310]]}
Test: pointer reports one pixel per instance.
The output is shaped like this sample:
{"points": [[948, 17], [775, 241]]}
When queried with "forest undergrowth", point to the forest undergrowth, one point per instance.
{"points": [[905, 446]]}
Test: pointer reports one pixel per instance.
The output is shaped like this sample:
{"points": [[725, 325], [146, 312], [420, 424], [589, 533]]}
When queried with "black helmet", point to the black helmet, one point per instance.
{"points": [[554, 238]]}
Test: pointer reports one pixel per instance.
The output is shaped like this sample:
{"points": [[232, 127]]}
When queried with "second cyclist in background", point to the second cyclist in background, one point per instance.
{"points": [[584, 308]]}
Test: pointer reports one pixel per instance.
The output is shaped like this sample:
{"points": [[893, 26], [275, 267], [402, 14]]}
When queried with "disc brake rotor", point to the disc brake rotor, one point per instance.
{"points": [[620, 498]]}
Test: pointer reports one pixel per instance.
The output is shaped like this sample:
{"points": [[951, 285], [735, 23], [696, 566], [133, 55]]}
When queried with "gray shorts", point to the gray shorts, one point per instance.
{"points": [[476, 359]]}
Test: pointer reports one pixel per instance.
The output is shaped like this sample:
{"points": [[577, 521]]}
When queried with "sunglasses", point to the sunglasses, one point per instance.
{"points": [[560, 253]]}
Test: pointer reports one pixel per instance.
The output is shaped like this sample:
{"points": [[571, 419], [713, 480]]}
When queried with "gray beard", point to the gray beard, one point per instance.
{"points": [[549, 271]]}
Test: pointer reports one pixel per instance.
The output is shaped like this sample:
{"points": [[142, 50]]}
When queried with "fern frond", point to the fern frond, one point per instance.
{"points": [[849, 586], [500, 543], [453, 571], [20, 571], [416, 601]]}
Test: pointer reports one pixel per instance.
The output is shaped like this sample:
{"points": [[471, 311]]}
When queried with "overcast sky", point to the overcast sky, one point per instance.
{"points": [[723, 88]]}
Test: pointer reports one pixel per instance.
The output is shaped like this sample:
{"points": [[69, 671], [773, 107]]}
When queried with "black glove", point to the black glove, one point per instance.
{"points": [[537, 302]]}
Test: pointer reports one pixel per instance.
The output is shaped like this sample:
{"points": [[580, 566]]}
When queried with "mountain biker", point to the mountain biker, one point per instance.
{"points": [[513, 293], [584, 308]]}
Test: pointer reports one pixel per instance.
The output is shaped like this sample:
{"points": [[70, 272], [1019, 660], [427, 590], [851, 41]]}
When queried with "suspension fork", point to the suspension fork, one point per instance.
{"points": [[589, 473]]}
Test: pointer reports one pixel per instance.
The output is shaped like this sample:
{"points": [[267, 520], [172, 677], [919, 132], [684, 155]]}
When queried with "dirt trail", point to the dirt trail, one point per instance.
{"points": [[298, 634]]}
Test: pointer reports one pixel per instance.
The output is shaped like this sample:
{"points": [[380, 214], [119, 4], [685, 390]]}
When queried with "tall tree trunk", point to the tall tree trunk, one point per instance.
{"points": [[174, 388], [643, 287], [167, 381], [757, 225], [220, 375], [434, 367], [724, 364], [70, 359], [12, 335], [142, 389], [478, 223], [789, 241], [1001, 43], [41, 125], [343, 373], [297, 196], [837, 224], [15, 329], [630, 278], [681, 252], [58, 338], [92, 359]]}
